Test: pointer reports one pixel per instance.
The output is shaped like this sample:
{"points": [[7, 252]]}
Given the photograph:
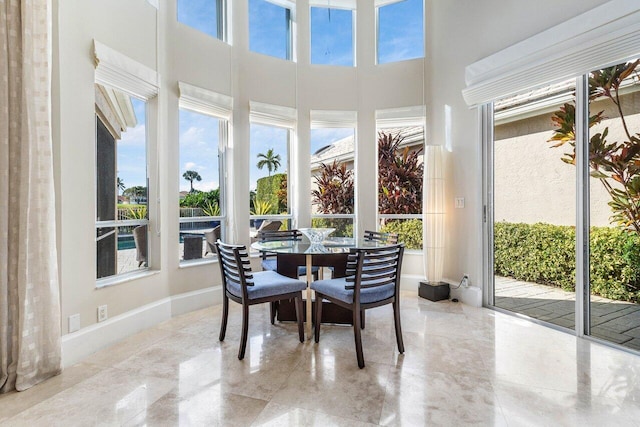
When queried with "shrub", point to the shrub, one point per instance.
{"points": [[343, 226], [201, 199], [545, 253], [409, 231], [267, 190]]}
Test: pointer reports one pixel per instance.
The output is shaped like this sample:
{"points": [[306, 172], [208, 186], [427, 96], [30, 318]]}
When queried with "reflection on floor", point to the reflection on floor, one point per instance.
{"points": [[462, 366], [613, 321]]}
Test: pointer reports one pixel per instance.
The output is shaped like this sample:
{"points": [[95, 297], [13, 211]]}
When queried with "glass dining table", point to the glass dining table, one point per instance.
{"points": [[333, 252]]}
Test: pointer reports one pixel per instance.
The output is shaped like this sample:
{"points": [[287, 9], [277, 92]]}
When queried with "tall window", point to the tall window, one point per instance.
{"points": [[204, 133], [400, 27], [332, 36], [269, 164], [400, 176], [201, 207], [271, 138], [271, 25], [332, 163], [122, 183], [208, 16]]}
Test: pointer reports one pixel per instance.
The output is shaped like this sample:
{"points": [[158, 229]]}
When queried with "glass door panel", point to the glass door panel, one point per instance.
{"points": [[614, 148], [534, 207]]}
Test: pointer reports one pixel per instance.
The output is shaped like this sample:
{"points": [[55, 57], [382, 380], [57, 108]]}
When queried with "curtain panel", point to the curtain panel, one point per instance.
{"points": [[29, 294]]}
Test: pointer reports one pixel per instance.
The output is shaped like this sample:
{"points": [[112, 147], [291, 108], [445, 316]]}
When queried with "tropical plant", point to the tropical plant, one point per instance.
{"points": [[211, 209], [136, 192], [200, 199], [400, 175], [615, 163], [192, 176], [335, 193], [120, 184], [138, 212], [261, 207], [273, 189], [270, 160]]}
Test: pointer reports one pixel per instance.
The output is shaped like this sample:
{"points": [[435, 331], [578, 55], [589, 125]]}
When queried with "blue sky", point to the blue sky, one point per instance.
{"points": [[401, 37], [131, 162]]}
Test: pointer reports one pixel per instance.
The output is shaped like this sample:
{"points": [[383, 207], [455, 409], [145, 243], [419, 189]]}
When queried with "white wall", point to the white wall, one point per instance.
{"points": [[461, 32], [179, 53]]}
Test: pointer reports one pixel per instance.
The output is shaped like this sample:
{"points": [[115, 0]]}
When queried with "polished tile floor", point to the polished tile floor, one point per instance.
{"points": [[462, 366]]}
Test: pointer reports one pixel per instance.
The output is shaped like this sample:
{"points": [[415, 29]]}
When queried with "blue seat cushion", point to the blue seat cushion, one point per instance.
{"points": [[272, 265], [336, 288], [268, 283]]}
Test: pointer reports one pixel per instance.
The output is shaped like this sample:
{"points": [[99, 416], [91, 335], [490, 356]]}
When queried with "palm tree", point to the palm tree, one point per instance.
{"points": [[191, 176], [270, 160], [120, 184]]}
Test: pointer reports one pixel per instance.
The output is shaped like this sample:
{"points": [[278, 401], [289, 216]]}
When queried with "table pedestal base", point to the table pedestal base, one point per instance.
{"points": [[331, 313]]}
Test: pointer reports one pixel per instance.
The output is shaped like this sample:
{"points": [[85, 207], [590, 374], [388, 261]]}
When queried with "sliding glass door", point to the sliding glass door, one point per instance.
{"points": [[534, 208], [614, 208], [539, 219]]}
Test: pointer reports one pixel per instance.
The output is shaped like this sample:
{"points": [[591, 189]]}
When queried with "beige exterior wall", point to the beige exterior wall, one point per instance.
{"points": [[533, 185]]}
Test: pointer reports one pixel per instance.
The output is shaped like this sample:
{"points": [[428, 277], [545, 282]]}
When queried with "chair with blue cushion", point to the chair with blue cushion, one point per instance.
{"points": [[245, 287], [270, 262], [373, 280]]}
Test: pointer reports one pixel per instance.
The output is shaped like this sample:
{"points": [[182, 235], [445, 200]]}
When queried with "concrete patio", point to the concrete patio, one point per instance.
{"points": [[615, 321]]}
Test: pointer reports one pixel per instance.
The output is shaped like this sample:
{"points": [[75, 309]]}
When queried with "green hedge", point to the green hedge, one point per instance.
{"points": [[545, 254], [409, 231], [267, 189], [343, 226]]}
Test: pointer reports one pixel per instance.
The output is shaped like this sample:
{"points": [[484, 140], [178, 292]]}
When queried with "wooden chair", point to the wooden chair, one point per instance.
{"points": [[373, 280], [390, 238], [270, 262], [243, 286]]}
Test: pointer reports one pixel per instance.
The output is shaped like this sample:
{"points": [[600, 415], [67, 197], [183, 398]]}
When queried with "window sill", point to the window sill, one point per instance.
{"points": [[123, 278], [198, 262]]}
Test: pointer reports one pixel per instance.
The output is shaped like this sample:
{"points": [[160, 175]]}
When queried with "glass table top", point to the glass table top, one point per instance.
{"points": [[335, 245]]}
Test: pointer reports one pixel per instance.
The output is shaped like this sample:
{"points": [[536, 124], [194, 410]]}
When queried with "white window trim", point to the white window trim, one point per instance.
{"points": [[272, 115], [205, 101], [335, 4], [605, 35], [121, 72], [401, 117], [323, 119]]}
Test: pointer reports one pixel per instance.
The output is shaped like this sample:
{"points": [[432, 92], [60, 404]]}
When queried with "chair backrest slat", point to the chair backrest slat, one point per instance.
{"points": [[374, 267], [235, 266]]}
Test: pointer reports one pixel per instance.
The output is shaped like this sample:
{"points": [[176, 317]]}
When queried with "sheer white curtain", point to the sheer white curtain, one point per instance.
{"points": [[29, 295]]}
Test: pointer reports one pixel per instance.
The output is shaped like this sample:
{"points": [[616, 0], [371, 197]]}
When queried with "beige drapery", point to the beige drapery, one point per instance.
{"points": [[29, 295]]}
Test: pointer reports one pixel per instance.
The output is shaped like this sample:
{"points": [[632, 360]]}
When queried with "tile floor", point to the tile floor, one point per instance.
{"points": [[462, 366]]}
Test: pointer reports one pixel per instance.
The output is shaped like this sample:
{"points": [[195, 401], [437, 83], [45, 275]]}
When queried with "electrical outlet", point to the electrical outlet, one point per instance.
{"points": [[102, 313], [74, 323], [459, 202], [466, 282]]}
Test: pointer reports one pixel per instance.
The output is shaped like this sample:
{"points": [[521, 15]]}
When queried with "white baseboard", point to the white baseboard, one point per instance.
{"points": [[79, 345]]}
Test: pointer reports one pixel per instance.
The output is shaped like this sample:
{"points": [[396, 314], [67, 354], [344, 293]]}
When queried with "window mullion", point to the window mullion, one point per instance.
{"points": [[582, 206]]}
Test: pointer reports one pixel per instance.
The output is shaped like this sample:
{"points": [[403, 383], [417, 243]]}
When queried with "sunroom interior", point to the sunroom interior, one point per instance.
{"points": [[171, 117]]}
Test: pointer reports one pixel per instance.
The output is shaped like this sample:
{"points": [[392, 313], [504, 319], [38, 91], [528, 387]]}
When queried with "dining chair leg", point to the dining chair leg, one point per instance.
{"points": [[245, 330], [358, 338], [318, 317], [225, 316], [300, 317], [273, 308], [362, 319], [396, 315]]}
